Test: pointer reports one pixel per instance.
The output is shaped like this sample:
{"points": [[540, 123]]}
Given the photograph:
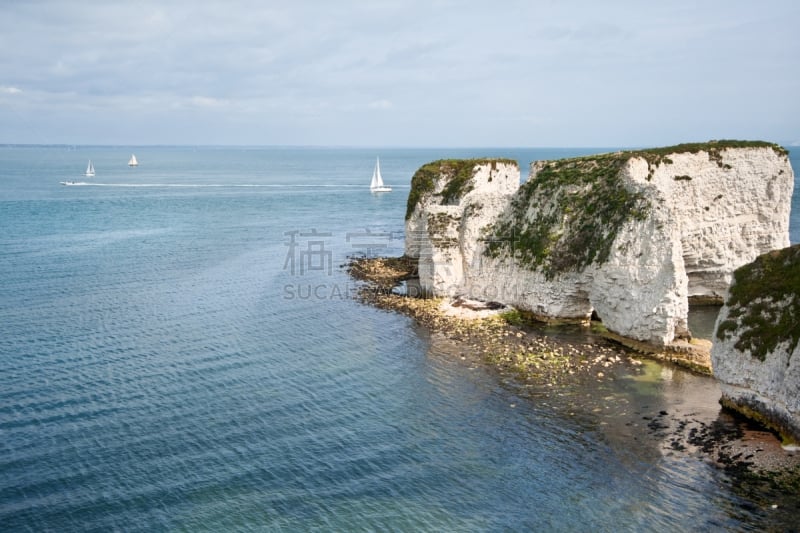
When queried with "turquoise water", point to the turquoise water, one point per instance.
{"points": [[180, 351]]}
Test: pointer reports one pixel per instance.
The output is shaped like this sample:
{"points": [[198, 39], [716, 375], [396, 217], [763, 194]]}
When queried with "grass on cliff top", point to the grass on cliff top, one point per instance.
{"points": [[710, 146], [764, 304], [457, 172]]}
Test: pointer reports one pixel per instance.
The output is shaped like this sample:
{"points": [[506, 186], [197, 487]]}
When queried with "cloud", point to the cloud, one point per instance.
{"points": [[380, 104], [590, 32], [207, 101], [593, 73]]}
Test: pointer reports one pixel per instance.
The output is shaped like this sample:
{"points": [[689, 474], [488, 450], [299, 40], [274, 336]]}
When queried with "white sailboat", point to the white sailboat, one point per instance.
{"points": [[133, 162], [90, 169], [377, 185]]}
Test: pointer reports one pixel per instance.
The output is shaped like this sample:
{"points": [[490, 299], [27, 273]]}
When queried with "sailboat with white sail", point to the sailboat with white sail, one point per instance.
{"points": [[377, 185], [133, 162], [89, 174]]}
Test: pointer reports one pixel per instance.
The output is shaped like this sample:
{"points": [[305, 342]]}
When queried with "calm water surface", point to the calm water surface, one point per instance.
{"points": [[180, 351]]}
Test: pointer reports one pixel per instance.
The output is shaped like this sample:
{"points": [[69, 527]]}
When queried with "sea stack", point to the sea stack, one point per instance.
{"points": [[628, 237], [756, 352]]}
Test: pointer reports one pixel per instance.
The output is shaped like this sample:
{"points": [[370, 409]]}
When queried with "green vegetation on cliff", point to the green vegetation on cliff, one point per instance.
{"points": [[713, 148], [764, 304], [655, 156], [581, 204], [457, 172]]}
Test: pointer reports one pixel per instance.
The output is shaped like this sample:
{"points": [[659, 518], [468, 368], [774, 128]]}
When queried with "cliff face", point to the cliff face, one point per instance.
{"points": [[756, 352], [450, 203], [629, 236], [728, 207]]}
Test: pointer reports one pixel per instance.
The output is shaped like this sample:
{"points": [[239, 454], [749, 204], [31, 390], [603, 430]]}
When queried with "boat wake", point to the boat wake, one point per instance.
{"points": [[214, 185]]}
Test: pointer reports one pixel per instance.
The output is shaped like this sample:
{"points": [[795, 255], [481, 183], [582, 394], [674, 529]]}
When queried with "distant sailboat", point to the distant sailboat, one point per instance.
{"points": [[376, 185], [90, 169], [133, 162]]}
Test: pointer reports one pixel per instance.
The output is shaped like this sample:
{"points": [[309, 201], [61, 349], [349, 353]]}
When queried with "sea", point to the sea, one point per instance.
{"points": [[182, 350]]}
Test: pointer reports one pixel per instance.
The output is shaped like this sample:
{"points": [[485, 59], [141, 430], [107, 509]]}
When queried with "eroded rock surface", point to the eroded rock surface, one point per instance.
{"points": [[629, 236]]}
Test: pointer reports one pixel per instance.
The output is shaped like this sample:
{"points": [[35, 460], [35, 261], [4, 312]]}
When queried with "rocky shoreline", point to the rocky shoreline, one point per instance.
{"points": [[498, 335], [501, 337]]}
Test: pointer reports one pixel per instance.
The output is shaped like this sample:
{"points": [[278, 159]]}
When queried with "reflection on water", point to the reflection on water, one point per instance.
{"points": [[645, 430], [158, 375]]}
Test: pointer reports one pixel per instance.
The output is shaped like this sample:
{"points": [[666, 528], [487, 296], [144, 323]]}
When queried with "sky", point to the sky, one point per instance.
{"points": [[427, 73]]}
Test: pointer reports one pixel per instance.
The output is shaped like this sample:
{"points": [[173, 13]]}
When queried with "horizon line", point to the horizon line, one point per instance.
{"points": [[336, 146], [354, 146]]}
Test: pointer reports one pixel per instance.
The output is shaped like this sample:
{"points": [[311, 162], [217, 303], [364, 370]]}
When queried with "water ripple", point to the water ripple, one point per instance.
{"points": [[157, 376]]}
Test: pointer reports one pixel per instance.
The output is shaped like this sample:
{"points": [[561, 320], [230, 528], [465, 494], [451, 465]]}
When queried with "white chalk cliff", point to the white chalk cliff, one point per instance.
{"points": [[756, 351], [444, 230], [629, 236]]}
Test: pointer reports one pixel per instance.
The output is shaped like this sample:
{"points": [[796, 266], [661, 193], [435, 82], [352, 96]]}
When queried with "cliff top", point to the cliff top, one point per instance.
{"points": [[656, 156], [693, 148], [710, 147], [583, 203], [458, 173]]}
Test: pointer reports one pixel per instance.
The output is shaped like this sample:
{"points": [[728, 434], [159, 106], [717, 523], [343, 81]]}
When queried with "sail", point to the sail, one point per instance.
{"points": [[133, 162], [376, 185], [378, 178], [90, 169]]}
